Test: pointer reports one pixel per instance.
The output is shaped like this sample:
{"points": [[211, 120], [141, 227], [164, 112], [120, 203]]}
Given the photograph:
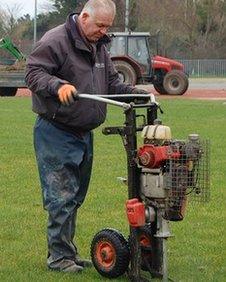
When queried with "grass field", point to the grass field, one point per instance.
{"points": [[197, 252]]}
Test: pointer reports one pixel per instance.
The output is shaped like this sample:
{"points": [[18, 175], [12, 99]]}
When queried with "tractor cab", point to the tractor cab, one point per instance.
{"points": [[135, 46]]}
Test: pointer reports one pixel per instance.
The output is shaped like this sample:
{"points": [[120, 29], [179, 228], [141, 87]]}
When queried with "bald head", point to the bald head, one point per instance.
{"points": [[96, 18], [92, 6]]}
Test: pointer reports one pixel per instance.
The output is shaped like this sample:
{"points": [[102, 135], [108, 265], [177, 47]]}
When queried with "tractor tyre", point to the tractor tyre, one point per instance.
{"points": [[8, 91], [110, 253], [160, 89], [126, 72], [175, 82], [151, 250]]}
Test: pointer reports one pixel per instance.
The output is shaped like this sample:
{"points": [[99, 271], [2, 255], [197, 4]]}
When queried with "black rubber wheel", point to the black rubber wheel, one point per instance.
{"points": [[175, 82], [110, 253], [151, 250], [160, 89], [126, 72]]}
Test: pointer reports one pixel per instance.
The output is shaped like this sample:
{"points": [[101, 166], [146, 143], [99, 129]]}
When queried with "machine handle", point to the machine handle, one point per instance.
{"points": [[150, 97], [111, 99], [105, 100]]}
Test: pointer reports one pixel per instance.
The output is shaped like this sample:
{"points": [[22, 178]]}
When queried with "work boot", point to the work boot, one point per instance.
{"points": [[83, 262], [64, 265]]}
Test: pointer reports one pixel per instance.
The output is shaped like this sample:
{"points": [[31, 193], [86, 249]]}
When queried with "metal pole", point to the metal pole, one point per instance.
{"points": [[105, 100], [127, 16], [35, 23]]}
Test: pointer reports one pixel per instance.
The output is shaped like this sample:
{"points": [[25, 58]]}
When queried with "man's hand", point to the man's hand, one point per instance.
{"points": [[67, 94], [139, 91]]}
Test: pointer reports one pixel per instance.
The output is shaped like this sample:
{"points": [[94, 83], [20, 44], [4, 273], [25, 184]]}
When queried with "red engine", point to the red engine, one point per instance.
{"points": [[152, 156]]}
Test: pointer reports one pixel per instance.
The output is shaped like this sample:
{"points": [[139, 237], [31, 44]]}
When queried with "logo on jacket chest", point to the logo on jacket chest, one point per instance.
{"points": [[99, 65]]}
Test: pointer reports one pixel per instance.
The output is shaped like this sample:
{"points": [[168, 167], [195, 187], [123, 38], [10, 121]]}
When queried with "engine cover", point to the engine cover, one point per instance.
{"points": [[152, 184], [152, 156]]}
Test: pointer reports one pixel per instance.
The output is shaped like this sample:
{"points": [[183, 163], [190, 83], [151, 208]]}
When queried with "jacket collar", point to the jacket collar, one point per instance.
{"points": [[76, 36]]}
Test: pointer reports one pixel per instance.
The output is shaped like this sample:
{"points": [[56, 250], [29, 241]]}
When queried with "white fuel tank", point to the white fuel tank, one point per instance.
{"points": [[158, 131]]}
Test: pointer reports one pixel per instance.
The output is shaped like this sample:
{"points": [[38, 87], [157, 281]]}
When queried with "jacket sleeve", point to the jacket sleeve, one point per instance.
{"points": [[42, 64], [115, 85]]}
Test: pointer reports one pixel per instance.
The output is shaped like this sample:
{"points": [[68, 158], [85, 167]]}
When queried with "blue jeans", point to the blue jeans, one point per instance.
{"points": [[64, 163]]}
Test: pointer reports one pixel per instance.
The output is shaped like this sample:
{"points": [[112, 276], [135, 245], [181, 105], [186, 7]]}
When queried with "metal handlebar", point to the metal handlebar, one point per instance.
{"points": [[126, 106], [105, 100], [150, 96]]}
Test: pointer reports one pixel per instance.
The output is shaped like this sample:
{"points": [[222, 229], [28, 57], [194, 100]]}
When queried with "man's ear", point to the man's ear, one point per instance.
{"points": [[85, 16]]}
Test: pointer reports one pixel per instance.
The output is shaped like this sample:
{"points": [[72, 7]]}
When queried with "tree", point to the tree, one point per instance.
{"points": [[211, 27], [65, 7], [8, 21], [185, 28], [57, 15]]}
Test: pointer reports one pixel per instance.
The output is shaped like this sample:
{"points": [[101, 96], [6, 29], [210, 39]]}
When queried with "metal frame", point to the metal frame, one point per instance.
{"points": [[128, 133], [193, 150]]}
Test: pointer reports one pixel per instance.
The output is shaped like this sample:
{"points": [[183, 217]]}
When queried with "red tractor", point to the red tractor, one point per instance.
{"points": [[130, 52]]}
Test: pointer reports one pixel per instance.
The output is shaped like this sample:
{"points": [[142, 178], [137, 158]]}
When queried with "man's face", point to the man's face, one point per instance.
{"points": [[96, 26]]}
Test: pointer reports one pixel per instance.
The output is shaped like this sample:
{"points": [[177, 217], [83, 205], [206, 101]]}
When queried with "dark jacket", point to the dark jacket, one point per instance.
{"points": [[62, 56]]}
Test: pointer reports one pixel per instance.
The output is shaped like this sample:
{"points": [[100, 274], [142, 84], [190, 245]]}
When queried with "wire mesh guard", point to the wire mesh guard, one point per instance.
{"points": [[187, 177]]}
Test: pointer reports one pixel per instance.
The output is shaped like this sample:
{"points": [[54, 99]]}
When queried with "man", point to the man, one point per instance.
{"points": [[70, 58]]}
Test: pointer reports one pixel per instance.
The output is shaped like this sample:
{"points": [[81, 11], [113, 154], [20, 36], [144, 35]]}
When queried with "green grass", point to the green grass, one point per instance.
{"points": [[196, 253]]}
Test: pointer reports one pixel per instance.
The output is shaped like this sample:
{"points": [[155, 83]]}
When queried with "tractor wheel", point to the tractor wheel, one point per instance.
{"points": [[110, 253], [175, 82], [8, 91], [160, 89], [126, 72], [151, 250]]}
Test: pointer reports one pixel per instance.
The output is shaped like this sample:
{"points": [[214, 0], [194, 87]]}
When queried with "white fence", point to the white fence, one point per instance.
{"points": [[205, 68]]}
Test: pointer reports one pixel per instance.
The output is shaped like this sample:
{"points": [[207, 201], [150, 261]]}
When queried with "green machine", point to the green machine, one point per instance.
{"points": [[12, 73], [7, 44]]}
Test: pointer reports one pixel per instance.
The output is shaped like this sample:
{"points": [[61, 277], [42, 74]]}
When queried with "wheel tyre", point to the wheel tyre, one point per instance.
{"points": [[8, 91], [175, 82], [110, 253], [160, 89], [151, 250], [126, 72]]}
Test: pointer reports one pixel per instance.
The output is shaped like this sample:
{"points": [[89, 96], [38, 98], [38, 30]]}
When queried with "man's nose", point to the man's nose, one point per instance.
{"points": [[103, 30]]}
